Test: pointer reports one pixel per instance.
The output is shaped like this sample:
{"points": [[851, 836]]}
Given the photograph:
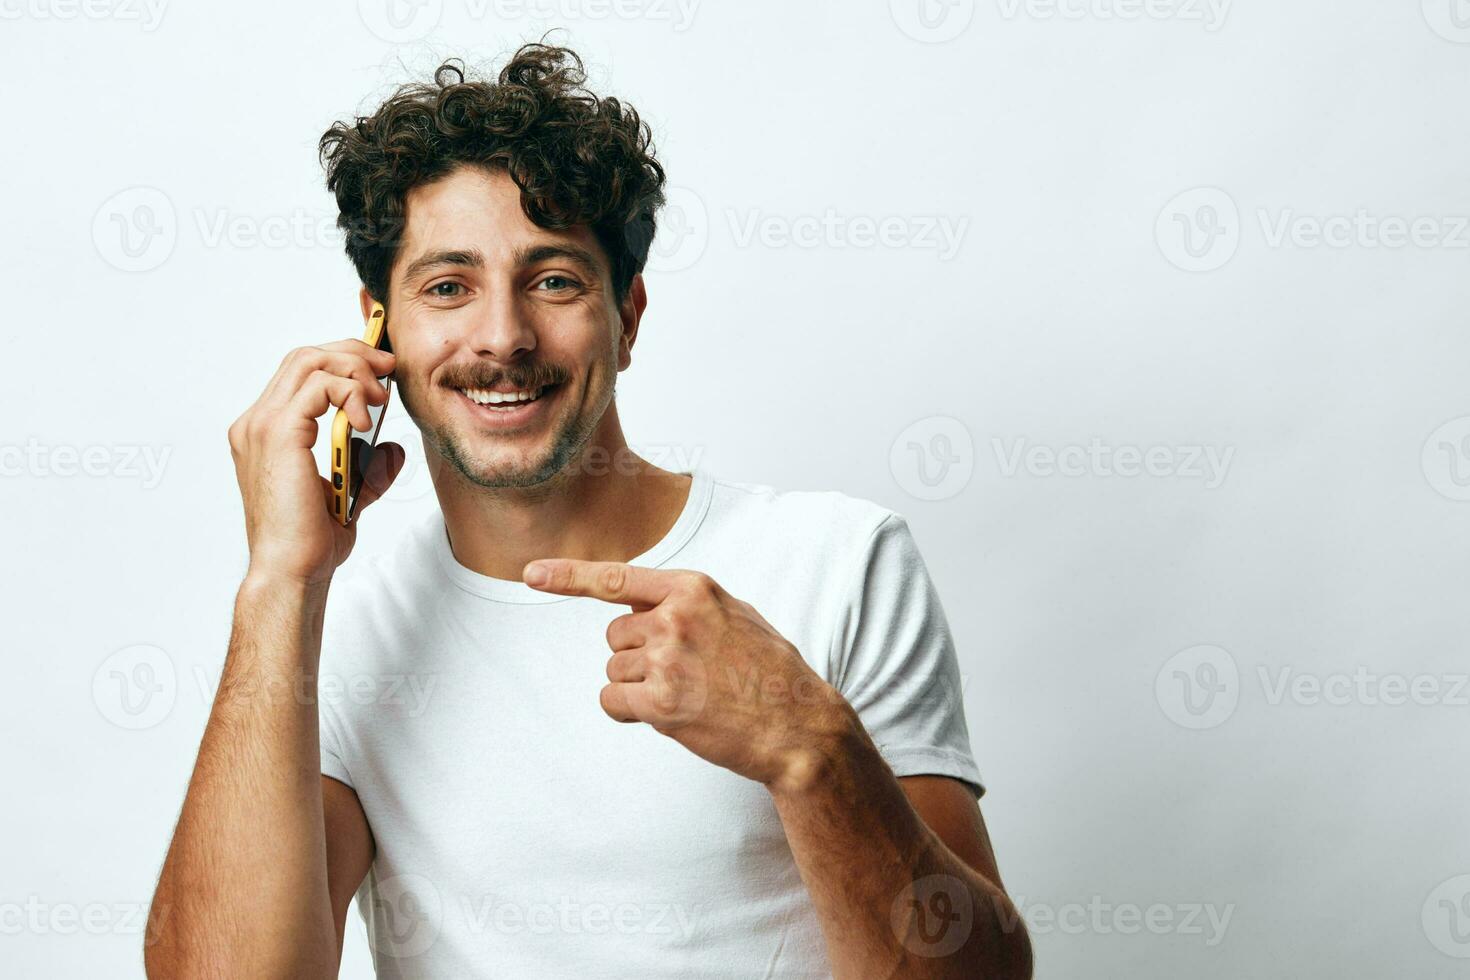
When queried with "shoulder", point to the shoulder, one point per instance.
{"points": [[808, 510], [831, 527]]}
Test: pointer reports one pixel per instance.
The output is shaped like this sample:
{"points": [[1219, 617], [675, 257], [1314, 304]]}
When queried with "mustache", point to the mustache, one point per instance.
{"points": [[518, 376]]}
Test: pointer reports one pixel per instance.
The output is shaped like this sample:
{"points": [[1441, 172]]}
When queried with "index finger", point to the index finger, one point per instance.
{"points": [[375, 355], [299, 363], [610, 581]]}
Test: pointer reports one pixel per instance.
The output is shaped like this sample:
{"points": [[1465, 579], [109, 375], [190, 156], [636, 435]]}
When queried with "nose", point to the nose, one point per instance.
{"points": [[500, 330]]}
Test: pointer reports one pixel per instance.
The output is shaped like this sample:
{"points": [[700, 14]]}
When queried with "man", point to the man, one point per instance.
{"points": [[793, 793]]}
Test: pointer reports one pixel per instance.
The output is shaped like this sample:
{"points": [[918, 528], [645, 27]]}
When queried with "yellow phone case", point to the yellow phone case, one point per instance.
{"points": [[344, 492]]}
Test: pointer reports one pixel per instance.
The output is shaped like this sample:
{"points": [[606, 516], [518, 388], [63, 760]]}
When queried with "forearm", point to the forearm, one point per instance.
{"points": [[893, 900], [244, 887]]}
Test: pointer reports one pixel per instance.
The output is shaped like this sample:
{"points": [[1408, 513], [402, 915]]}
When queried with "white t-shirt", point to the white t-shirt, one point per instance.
{"points": [[521, 832]]}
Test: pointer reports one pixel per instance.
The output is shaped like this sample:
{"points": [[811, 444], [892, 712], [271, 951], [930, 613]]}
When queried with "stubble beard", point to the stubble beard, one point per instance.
{"points": [[567, 444]]}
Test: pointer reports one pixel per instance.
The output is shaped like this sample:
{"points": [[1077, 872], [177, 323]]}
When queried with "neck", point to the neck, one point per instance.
{"points": [[607, 505]]}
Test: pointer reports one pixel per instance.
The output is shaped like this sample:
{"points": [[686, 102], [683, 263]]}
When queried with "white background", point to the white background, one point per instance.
{"points": [[1124, 638]]}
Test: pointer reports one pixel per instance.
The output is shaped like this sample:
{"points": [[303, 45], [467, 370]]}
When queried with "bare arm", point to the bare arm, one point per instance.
{"points": [[245, 880], [901, 872], [251, 886], [350, 850]]}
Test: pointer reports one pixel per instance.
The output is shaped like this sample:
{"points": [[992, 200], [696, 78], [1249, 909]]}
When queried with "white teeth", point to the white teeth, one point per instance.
{"points": [[482, 397]]}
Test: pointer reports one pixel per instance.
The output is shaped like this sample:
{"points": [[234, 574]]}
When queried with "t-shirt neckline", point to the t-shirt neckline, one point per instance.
{"points": [[505, 590]]}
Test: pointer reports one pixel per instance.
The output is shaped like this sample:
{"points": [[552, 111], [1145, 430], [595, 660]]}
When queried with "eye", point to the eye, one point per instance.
{"points": [[567, 282], [435, 289]]}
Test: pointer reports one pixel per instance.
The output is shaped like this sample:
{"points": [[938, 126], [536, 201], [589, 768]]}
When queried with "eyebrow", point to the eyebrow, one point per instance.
{"points": [[465, 257], [531, 255], [473, 258]]}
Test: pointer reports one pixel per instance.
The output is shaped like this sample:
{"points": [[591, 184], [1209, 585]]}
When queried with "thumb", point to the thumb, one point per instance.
{"points": [[382, 469]]}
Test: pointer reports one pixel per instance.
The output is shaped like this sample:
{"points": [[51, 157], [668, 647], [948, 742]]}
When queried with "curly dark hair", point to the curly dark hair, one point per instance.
{"points": [[577, 159]]}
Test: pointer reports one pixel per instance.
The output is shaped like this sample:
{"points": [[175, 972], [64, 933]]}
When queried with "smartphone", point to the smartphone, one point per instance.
{"points": [[351, 454]]}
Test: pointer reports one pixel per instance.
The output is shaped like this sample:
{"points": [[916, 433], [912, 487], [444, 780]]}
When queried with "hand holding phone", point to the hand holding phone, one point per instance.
{"points": [[288, 503]]}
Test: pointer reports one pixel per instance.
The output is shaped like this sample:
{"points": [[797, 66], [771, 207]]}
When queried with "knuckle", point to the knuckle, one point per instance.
{"points": [[662, 659], [614, 629], [605, 698], [334, 383], [701, 585], [249, 428], [671, 620], [613, 578], [620, 665]]}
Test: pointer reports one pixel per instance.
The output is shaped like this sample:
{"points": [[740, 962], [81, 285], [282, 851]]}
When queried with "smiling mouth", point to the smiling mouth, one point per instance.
{"points": [[504, 401]]}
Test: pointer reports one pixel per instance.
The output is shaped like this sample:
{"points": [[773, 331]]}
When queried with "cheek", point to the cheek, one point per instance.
{"points": [[584, 355], [420, 356]]}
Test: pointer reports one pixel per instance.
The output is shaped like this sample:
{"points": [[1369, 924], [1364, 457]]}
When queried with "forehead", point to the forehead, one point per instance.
{"points": [[477, 208]]}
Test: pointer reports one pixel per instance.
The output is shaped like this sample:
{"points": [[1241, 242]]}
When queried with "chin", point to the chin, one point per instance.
{"points": [[491, 466]]}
